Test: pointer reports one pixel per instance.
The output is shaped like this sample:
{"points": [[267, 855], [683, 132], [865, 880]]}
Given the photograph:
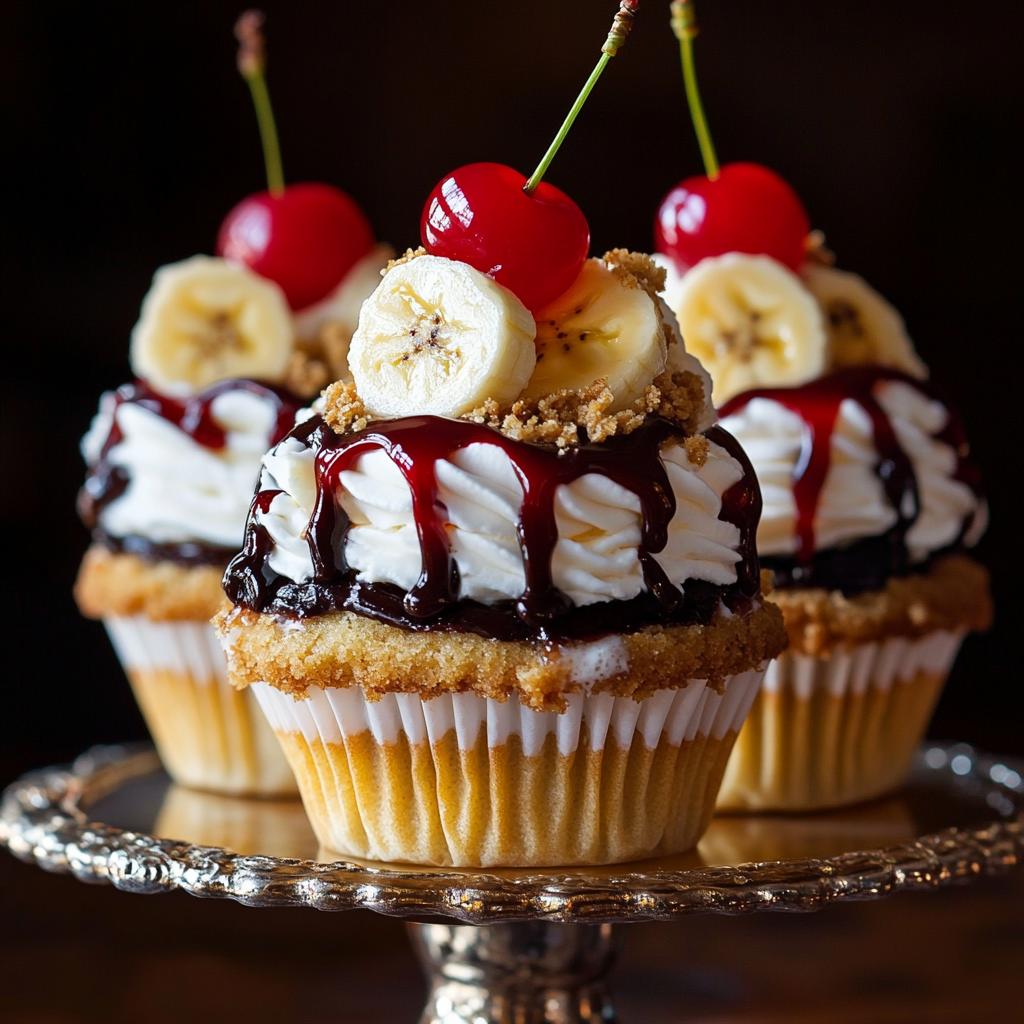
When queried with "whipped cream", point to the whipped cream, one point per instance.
{"points": [[178, 490], [853, 504], [599, 523]]}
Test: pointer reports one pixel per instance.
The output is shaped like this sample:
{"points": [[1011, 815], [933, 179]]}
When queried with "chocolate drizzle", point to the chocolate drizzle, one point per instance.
{"points": [[106, 481], [414, 445], [868, 563]]}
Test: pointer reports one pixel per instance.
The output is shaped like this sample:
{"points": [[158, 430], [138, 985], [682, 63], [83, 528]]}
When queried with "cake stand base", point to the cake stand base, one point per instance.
{"points": [[521, 945], [527, 972]]}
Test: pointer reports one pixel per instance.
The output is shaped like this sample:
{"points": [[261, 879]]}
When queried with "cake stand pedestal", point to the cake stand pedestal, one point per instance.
{"points": [[516, 946]]}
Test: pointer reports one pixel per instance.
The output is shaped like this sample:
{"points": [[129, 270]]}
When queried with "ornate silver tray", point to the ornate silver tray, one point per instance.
{"points": [[114, 816]]}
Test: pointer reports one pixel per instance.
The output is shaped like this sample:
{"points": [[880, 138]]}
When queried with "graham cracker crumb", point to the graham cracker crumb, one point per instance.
{"points": [[406, 257], [315, 363], [636, 270], [111, 583], [952, 595], [344, 411], [681, 399], [344, 649], [487, 413], [556, 418], [306, 375], [696, 449]]}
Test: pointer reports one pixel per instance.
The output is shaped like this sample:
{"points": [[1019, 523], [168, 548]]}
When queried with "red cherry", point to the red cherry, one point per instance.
{"points": [[534, 245], [306, 239], [747, 208]]}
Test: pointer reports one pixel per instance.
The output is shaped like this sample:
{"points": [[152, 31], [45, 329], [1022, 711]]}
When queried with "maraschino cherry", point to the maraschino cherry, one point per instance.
{"points": [[535, 245], [740, 207], [525, 233], [304, 237]]}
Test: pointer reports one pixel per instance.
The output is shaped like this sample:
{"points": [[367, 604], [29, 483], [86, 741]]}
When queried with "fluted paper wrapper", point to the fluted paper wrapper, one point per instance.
{"points": [[834, 730], [470, 781], [209, 734]]}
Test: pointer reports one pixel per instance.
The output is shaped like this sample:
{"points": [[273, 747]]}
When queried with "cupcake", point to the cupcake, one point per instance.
{"points": [[225, 352], [870, 505], [499, 596], [172, 458], [869, 500]]}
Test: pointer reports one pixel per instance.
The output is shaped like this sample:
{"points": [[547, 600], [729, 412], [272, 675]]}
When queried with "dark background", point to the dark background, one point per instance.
{"points": [[129, 135]]}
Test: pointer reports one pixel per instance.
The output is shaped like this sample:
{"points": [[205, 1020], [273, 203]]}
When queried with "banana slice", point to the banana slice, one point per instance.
{"points": [[601, 327], [862, 327], [439, 337], [751, 322], [206, 320]]}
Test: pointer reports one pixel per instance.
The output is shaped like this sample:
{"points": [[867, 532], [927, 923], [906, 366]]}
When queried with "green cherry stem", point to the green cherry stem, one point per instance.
{"points": [[616, 37], [684, 25], [251, 63]]}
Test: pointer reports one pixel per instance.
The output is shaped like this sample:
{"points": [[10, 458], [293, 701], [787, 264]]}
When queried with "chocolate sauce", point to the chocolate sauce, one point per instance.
{"points": [[868, 563], [414, 445], [188, 553], [106, 482]]}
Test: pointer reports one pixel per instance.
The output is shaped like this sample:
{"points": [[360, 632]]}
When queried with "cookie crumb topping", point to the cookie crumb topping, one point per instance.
{"points": [[696, 449], [408, 256], [317, 362], [344, 411], [636, 270]]}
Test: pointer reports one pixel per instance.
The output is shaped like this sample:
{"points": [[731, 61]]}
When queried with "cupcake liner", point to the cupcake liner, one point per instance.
{"points": [[833, 730], [209, 734], [471, 781]]}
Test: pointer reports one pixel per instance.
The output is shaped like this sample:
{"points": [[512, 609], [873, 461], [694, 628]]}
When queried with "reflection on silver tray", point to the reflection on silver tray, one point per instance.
{"points": [[940, 829]]}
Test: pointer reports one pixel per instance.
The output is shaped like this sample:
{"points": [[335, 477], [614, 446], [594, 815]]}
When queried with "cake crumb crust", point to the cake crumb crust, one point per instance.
{"points": [[954, 594], [343, 649], [111, 583]]}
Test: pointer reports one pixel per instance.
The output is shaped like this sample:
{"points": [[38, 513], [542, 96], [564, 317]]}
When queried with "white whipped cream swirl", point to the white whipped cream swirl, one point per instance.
{"points": [[178, 490], [853, 504], [599, 523]]}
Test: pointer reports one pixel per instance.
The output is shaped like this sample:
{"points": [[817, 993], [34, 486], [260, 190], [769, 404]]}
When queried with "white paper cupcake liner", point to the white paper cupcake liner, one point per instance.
{"points": [[208, 734], [832, 730], [336, 713], [468, 780]]}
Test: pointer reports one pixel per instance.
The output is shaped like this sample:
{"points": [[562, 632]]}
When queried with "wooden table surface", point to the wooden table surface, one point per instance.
{"points": [[74, 954]]}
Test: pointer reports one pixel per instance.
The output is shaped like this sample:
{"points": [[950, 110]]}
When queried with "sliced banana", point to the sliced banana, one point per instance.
{"points": [[862, 327], [439, 337], [205, 320], [603, 326], [751, 322]]}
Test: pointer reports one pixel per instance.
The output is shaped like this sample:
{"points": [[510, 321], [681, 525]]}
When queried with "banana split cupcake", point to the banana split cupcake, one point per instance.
{"points": [[870, 506], [869, 502], [499, 596], [172, 461]]}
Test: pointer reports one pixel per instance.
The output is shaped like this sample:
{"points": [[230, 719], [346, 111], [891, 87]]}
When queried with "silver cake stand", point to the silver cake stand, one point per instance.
{"points": [[516, 946]]}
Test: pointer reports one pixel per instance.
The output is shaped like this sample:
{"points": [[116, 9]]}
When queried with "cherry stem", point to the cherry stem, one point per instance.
{"points": [[684, 25], [616, 37], [251, 63]]}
